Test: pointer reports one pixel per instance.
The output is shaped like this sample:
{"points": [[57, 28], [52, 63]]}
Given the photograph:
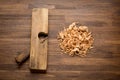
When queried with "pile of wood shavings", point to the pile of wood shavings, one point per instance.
{"points": [[75, 40]]}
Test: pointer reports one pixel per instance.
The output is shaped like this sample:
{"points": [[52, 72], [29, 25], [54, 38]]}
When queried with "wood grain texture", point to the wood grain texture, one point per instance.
{"points": [[101, 16], [39, 41]]}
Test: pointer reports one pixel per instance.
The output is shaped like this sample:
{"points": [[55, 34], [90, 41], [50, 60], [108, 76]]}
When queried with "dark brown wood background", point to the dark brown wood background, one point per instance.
{"points": [[101, 16]]}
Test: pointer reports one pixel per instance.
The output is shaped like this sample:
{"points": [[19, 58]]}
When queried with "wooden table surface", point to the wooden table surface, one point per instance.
{"points": [[101, 16]]}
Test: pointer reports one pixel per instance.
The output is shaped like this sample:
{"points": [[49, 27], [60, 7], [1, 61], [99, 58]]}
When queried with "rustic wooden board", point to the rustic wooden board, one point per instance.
{"points": [[101, 16], [38, 50]]}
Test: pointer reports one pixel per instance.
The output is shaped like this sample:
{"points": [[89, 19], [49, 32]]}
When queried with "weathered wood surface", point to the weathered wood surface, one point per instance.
{"points": [[39, 42], [101, 16]]}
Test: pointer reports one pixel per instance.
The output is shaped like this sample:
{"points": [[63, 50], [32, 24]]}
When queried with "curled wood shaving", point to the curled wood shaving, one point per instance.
{"points": [[75, 40]]}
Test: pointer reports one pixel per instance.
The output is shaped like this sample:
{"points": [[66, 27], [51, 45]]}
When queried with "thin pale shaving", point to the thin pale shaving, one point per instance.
{"points": [[75, 40]]}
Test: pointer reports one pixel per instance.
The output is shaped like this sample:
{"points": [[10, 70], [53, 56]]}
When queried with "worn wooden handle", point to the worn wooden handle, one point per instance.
{"points": [[22, 57]]}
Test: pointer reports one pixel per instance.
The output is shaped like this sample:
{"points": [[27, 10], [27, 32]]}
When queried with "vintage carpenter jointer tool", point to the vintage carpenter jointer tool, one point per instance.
{"points": [[39, 40]]}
